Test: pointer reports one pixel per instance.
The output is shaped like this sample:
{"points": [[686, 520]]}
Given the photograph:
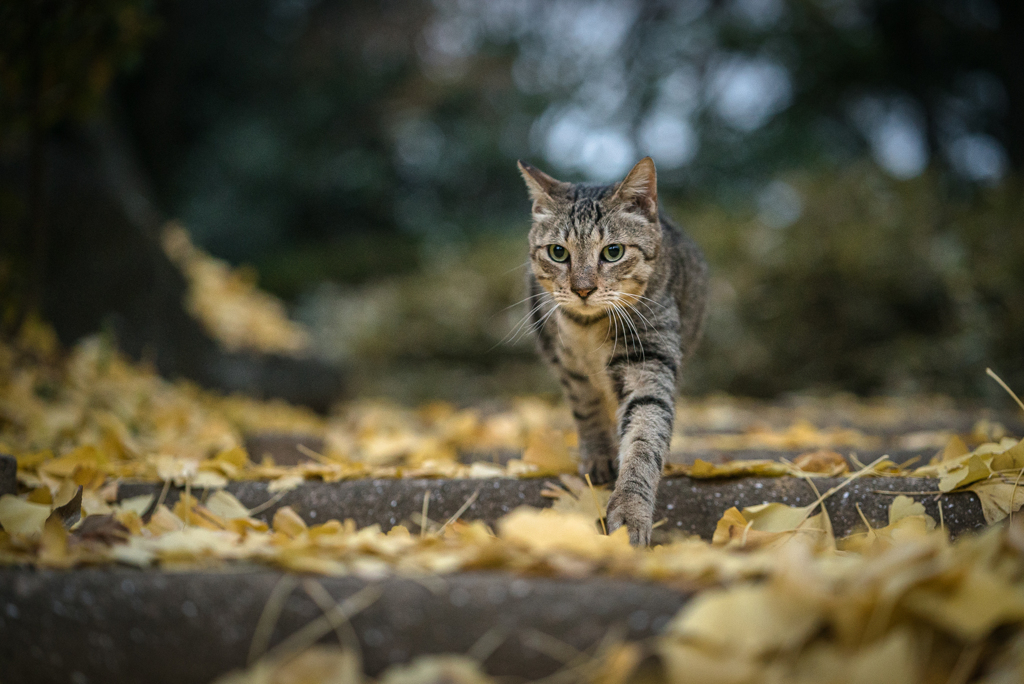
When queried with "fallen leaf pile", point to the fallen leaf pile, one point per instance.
{"points": [[779, 603], [779, 598], [993, 471], [91, 408], [228, 303]]}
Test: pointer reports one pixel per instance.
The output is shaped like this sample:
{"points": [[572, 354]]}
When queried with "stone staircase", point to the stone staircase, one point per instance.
{"points": [[119, 625]]}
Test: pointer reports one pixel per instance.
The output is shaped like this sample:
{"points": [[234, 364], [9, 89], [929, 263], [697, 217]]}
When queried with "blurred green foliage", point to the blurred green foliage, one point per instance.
{"points": [[362, 156], [277, 125], [878, 287]]}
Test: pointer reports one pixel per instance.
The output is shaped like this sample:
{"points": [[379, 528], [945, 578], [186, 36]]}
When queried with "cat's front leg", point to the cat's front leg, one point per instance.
{"points": [[598, 447], [646, 415]]}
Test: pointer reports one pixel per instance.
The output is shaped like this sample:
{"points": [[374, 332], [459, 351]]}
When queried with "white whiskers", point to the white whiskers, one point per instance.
{"points": [[522, 328]]}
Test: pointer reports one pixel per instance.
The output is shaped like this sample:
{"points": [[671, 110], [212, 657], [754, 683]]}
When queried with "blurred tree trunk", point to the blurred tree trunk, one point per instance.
{"points": [[37, 232], [105, 268], [1011, 31]]}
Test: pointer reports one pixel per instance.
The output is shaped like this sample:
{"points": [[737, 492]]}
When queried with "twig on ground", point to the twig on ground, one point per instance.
{"points": [[423, 515], [465, 506], [597, 506]]}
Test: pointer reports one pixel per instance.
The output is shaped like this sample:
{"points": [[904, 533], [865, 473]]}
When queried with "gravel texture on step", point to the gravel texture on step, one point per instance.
{"points": [[119, 626], [687, 505], [914, 456]]}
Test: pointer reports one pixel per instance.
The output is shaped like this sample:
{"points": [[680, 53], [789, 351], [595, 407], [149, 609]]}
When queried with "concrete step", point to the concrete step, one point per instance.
{"points": [[119, 626], [687, 505]]}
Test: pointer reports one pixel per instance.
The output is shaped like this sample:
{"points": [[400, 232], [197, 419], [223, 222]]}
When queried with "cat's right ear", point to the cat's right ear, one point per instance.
{"points": [[541, 186]]}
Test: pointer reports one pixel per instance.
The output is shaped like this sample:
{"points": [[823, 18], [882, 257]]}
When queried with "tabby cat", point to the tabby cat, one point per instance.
{"points": [[618, 295]]}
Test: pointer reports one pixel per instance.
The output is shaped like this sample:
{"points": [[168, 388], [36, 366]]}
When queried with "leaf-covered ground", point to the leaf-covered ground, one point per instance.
{"points": [[781, 599]]}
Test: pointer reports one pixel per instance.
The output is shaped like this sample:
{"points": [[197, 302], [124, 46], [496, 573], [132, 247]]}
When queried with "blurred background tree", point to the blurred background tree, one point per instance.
{"points": [[851, 167], [57, 62]]}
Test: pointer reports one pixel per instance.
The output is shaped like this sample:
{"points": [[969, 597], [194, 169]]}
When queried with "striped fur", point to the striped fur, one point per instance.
{"points": [[616, 332]]}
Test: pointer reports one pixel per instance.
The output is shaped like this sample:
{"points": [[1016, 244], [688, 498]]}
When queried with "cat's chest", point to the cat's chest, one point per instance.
{"points": [[586, 350]]}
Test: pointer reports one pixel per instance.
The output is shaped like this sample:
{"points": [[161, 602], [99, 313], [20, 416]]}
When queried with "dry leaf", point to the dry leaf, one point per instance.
{"points": [[285, 483], [1010, 460], [755, 468], [907, 519], [547, 450], [973, 470], [64, 466], [18, 516], [954, 450], [746, 620], [67, 491], [105, 529], [974, 606], [445, 669], [543, 531], [689, 664], [998, 498], [577, 498], [288, 522], [822, 461], [768, 524], [226, 505], [53, 545], [139, 504], [69, 513], [617, 664]]}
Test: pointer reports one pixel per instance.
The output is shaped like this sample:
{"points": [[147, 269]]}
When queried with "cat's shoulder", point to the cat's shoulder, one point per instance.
{"points": [[679, 240]]}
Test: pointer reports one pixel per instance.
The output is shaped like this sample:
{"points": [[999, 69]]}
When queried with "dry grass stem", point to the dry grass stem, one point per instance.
{"points": [[267, 504], [306, 451], [1006, 387], [597, 506], [423, 514], [268, 618], [312, 632], [487, 644], [323, 599], [463, 509]]}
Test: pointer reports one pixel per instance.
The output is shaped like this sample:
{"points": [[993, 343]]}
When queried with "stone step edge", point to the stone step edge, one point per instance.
{"points": [[683, 504], [125, 626]]}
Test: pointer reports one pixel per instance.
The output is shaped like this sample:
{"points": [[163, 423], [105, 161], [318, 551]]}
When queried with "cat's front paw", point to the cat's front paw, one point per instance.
{"points": [[631, 510], [601, 469]]}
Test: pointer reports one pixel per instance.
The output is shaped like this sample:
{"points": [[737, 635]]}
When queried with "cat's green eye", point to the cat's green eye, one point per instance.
{"points": [[613, 252], [558, 253]]}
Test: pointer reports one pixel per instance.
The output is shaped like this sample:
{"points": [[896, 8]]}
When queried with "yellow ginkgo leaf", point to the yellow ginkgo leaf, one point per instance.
{"points": [[756, 468], [998, 498], [288, 522], [973, 470], [18, 516], [907, 518], [577, 498], [226, 505], [547, 449], [766, 524], [747, 619]]}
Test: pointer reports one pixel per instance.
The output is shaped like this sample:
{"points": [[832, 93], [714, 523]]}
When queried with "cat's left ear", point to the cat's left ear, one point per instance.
{"points": [[540, 185], [640, 188]]}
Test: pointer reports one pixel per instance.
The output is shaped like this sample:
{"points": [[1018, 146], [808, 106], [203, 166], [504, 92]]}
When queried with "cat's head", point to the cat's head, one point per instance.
{"points": [[594, 248]]}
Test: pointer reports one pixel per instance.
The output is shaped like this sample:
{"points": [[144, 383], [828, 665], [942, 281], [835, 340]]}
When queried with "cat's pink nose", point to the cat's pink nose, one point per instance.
{"points": [[583, 293]]}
